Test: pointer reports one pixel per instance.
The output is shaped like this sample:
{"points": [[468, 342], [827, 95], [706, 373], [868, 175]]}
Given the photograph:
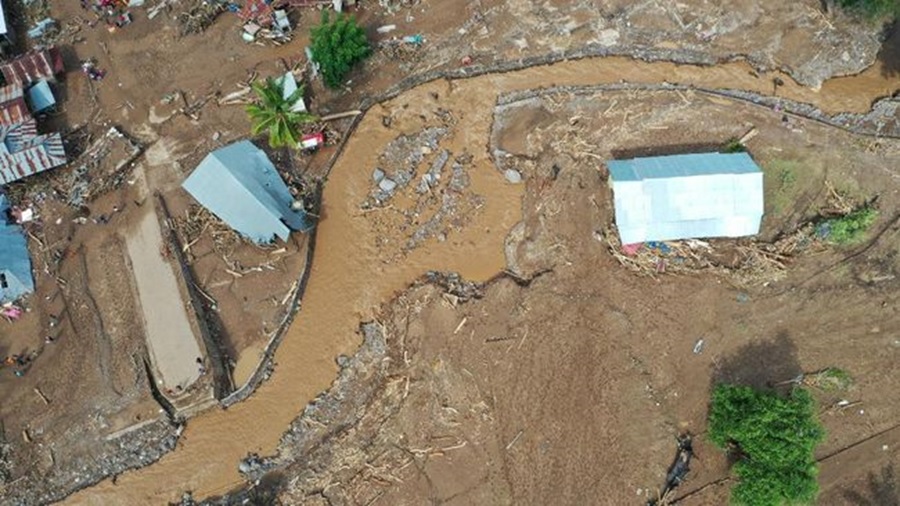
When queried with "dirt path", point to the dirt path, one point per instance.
{"points": [[170, 339], [351, 276]]}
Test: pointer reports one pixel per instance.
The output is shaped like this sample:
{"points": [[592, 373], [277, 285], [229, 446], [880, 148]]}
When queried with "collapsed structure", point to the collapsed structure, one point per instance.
{"points": [[239, 184], [665, 198], [23, 151]]}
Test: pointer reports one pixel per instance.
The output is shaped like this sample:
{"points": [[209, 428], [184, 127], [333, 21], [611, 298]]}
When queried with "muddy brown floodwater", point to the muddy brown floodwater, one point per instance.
{"points": [[351, 276]]}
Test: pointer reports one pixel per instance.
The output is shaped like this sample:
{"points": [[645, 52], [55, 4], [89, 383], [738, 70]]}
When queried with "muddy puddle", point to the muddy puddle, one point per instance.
{"points": [[353, 272]]}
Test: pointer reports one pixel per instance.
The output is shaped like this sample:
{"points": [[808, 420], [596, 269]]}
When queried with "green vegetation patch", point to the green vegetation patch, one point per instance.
{"points": [[336, 46], [272, 113], [850, 228], [831, 379], [782, 175], [874, 9], [733, 145], [774, 438]]}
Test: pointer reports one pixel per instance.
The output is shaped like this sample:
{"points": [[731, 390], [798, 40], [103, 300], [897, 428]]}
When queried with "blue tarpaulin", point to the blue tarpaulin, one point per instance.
{"points": [[239, 184], [15, 262], [40, 96]]}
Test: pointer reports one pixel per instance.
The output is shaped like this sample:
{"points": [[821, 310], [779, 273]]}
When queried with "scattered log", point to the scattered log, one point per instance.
{"points": [[339, 115], [42, 396]]}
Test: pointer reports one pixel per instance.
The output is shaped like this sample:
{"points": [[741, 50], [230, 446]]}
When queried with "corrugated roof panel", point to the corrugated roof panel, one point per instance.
{"points": [[14, 111], [622, 170], [41, 96], [33, 66], [15, 261], [4, 30], [10, 92], [688, 196], [25, 156], [239, 184]]}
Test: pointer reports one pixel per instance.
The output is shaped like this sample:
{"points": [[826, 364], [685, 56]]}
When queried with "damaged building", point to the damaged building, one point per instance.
{"points": [[240, 185]]}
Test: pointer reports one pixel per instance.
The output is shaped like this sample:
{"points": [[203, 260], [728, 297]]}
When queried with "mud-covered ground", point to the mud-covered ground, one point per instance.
{"points": [[148, 63], [567, 380]]}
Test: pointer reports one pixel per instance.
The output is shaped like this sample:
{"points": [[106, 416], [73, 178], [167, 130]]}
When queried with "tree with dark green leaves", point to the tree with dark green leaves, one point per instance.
{"points": [[874, 9], [773, 437], [336, 46], [273, 113]]}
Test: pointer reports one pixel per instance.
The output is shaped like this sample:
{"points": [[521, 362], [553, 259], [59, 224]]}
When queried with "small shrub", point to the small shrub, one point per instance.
{"points": [[782, 177], [787, 177], [336, 46], [831, 379], [774, 437], [849, 228], [733, 145]]}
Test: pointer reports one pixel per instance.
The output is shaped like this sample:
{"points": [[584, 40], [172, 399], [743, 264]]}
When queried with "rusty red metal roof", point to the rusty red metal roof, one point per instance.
{"points": [[14, 112], [258, 11], [11, 92], [24, 153], [13, 109], [33, 66]]}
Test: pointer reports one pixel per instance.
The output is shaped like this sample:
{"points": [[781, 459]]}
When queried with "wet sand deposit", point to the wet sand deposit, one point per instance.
{"points": [[351, 277]]}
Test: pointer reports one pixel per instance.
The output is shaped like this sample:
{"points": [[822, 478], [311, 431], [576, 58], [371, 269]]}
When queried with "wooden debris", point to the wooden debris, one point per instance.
{"points": [[753, 132], [838, 203], [236, 97], [339, 115], [460, 326], [511, 443], [42, 396]]}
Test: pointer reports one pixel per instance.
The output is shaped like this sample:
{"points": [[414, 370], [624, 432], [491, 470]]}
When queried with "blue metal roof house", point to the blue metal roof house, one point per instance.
{"points": [[663, 198], [40, 96], [239, 184], [15, 261]]}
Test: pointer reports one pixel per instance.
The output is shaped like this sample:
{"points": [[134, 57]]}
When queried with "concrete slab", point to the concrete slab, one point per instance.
{"points": [[173, 346]]}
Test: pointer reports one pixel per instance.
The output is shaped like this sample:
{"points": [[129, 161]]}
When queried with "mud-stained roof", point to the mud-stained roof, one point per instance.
{"points": [[664, 198], [23, 152]]}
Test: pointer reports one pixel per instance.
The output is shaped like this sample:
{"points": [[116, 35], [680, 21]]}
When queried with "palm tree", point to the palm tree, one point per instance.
{"points": [[273, 113]]}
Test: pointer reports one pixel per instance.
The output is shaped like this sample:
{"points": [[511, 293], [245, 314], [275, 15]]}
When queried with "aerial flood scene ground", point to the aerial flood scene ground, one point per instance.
{"points": [[450, 252]]}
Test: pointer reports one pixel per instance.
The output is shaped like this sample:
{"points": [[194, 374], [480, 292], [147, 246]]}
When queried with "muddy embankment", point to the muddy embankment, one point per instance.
{"points": [[349, 278]]}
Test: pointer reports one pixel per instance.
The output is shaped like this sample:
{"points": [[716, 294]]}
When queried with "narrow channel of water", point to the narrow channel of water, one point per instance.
{"points": [[350, 277]]}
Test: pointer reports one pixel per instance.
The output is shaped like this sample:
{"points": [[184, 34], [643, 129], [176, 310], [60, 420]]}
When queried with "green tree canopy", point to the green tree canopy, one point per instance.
{"points": [[272, 113], [774, 438], [872, 8], [337, 45]]}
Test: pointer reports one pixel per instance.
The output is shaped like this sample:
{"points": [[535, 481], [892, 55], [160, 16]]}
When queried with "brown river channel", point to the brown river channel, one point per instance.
{"points": [[350, 278]]}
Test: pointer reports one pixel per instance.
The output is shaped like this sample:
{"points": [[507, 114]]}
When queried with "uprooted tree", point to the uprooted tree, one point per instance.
{"points": [[336, 46], [773, 438], [273, 113]]}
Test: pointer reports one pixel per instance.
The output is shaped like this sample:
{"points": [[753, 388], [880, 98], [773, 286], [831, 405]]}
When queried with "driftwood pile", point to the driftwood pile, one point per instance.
{"points": [[199, 17], [748, 262], [198, 222], [104, 165]]}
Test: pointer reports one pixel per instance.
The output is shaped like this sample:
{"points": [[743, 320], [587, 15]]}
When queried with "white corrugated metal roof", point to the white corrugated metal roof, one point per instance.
{"points": [[239, 184], [3, 29], [687, 196]]}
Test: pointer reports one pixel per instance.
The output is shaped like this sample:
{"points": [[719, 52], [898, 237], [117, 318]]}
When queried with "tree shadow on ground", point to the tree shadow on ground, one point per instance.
{"points": [[760, 364], [668, 150], [881, 490], [889, 54]]}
